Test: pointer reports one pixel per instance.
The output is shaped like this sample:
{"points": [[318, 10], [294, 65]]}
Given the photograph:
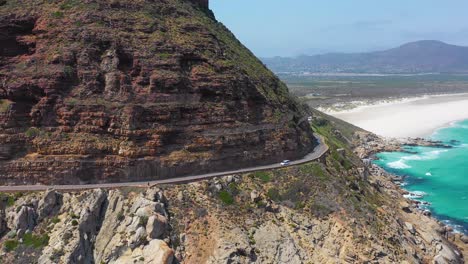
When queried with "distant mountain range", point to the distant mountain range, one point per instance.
{"points": [[425, 56]]}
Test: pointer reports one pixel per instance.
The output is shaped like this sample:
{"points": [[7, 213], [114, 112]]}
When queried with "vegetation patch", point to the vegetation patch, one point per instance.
{"points": [[274, 194], [57, 14], [32, 132], [262, 175], [143, 220], [320, 210], [5, 105], [9, 199], [314, 169], [34, 241], [10, 245], [226, 197]]}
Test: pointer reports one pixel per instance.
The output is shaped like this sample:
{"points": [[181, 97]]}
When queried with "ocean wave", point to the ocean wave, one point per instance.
{"points": [[428, 174], [415, 195], [399, 164], [459, 124], [456, 228], [430, 155]]}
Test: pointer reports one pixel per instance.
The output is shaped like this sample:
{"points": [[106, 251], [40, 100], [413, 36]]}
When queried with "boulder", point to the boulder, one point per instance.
{"points": [[427, 213], [141, 202], [254, 196], [47, 204], [405, 206], [410, 228], [157, 251], [25, 219], [229, 179], [156, 195], [464, 239], [447, 255], [156, 226]]}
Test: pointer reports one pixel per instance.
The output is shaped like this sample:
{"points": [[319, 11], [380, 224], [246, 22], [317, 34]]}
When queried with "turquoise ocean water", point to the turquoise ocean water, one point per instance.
{"points": [[438, 176]]}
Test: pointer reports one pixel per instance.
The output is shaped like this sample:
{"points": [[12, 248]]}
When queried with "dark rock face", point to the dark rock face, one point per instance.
{"points": [[113, 90], [202, 3]]}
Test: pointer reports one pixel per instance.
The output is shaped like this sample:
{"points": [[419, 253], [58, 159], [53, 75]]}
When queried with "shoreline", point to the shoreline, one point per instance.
{"points": [[408, 117], [371, 144], [394, 185]]}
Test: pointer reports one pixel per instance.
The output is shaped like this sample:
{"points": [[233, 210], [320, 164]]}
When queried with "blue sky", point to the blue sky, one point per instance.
{"points": [[294, 27]]}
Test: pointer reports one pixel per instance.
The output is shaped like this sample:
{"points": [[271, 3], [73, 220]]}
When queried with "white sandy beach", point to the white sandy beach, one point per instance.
{"points": [[417, 117]]}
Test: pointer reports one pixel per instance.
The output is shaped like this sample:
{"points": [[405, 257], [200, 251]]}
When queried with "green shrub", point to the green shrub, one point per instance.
{"points": [[74, 222], [55, 220], [262, 175], [226, 197], [234, 188], [5, 105], [57, 14], [74, 216], [68, 4], [10, 199], [10, 245], [120, 216], [143, 220], [314, 169], [31, 240], [274, 194], [32, 132]]}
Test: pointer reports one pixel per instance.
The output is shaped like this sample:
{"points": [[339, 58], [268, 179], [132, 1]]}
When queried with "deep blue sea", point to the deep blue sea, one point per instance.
{"points": [[437, 175]]}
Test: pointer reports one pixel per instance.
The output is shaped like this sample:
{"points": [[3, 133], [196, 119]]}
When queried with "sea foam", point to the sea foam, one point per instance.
{"points": [[399, 164]]}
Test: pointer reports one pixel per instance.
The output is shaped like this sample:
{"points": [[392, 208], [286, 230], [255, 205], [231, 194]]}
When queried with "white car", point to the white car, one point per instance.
{"points": [[285, 162]]}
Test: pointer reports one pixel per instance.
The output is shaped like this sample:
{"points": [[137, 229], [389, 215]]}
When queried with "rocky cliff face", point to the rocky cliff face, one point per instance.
{"points": [[113, 90]]}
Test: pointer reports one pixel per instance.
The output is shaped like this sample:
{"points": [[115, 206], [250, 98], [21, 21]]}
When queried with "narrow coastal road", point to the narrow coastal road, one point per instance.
{"points": [[317, 153]]}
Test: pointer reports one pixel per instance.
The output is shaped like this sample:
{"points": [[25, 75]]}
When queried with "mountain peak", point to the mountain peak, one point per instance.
{"points": [[421, 44]]}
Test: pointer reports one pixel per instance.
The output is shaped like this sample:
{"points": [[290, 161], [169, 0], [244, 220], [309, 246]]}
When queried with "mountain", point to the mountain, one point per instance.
{"points": [[427, 56], [113, 90]]}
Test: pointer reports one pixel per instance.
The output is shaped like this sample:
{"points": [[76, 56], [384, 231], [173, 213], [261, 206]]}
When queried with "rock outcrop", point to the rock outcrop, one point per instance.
{"points": [[88, 227], [100, 91], [306, 214]]}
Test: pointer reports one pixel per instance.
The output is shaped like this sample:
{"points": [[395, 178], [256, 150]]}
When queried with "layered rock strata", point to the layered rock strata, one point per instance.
{"points": [[112, 90]]}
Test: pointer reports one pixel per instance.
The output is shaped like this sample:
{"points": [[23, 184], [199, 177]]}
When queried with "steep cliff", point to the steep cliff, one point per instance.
{"points": [[114, 90]]}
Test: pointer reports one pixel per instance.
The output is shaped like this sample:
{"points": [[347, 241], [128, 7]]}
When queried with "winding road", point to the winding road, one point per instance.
{"points": [[317, 153]]}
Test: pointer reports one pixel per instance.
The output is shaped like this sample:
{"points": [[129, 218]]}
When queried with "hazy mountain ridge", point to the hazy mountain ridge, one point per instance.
{"points": [[425, 56]]}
